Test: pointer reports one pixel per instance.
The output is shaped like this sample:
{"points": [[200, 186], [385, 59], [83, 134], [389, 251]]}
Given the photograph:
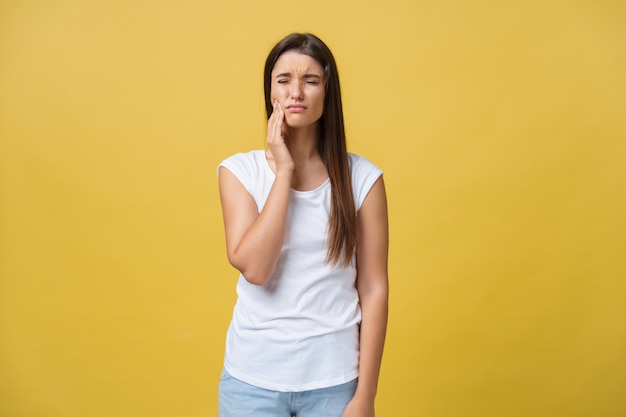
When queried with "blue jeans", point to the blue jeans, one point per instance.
{"points": [[238, 399]]}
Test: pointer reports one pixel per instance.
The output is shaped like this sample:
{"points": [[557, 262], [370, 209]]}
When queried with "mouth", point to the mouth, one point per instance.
{"points": [[296, 107]]}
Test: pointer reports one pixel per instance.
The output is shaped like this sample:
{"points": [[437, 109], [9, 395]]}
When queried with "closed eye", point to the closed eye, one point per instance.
{"points": [[312, 79]]}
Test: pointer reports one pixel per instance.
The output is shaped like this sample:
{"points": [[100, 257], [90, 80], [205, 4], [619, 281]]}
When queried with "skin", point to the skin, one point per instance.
{"points": [[254, 240]]}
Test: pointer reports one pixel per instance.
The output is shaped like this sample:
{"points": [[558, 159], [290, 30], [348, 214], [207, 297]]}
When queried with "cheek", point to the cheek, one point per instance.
{"points": [[320, 101], [277, 91]]}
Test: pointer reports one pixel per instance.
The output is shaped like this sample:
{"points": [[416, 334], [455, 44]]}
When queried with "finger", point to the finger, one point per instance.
{"points": [[271, 122], [274, 128], [280, 116], [277, 127]]}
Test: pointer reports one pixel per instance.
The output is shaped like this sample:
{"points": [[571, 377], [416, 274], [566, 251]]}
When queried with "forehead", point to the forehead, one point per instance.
{"points": [[296, 62]]}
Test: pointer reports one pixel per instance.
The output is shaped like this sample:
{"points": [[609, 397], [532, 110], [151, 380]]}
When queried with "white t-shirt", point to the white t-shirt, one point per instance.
{"points": [[299, 331]]}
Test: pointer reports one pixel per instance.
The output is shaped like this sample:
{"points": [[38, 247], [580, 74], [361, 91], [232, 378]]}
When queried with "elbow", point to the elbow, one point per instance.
{"points": [[378, 290], [255, 271], [255, 277]]}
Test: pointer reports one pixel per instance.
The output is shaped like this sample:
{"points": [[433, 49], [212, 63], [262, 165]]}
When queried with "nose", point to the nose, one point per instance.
{"points": [[295, 91]]}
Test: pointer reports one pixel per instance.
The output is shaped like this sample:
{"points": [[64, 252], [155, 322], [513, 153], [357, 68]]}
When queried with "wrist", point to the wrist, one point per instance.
{"points": [[285, 171], [364, 395]]}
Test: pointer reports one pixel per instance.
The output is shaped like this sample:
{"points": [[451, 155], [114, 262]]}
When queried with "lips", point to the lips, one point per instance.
{"points": [[296, 107]]}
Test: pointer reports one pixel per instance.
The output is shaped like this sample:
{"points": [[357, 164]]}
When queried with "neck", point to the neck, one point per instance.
{"points": [[302, 143]]}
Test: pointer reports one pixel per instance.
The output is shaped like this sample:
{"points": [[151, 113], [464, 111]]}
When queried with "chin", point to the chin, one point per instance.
{"points": [[299, 124]]}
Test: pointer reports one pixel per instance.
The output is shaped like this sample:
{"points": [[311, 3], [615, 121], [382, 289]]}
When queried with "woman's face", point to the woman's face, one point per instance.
{"points": [[298, 85]]}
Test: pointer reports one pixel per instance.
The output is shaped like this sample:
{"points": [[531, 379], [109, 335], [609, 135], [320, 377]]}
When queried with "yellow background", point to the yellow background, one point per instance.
{"points": [[500, 128]]}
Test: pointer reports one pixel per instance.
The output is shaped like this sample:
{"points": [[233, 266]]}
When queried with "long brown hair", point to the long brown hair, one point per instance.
{"points": [[331, 144]]}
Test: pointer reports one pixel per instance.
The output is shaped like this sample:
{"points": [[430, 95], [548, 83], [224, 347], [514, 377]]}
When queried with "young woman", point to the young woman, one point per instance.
{"points": [[306, 225]]}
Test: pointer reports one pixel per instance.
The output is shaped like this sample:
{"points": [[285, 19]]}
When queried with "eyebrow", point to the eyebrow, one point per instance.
{"points": [[288, 74]]}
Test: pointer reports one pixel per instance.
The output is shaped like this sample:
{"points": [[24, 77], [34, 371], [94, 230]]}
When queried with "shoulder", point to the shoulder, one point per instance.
{"points": [[364, 174], [360, 163], [243, 159], [361, 168], [247, 167]]}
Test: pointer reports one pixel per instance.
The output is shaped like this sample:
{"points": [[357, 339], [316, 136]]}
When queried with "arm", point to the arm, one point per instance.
{"points": [[253, 239], [373, 289]]}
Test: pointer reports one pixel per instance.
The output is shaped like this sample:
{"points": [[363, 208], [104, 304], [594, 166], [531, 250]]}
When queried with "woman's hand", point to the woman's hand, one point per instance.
{"points": [[358, 408], [276, 140]]}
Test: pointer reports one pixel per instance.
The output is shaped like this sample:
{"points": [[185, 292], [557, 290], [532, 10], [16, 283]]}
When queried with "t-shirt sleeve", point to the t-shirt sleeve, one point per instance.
{"points": [[364, 175], [243, 168]]}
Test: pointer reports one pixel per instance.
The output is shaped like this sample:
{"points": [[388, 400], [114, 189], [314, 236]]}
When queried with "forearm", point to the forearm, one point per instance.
{"points": [[374, 311], [257, 253]]}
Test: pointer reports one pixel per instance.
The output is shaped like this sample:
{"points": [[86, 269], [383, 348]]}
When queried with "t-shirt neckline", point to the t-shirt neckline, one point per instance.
{"points": [[269, 169]]}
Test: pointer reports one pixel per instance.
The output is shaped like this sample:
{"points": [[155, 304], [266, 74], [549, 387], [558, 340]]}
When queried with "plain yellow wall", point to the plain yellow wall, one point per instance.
{"points": [[500, 128]]}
